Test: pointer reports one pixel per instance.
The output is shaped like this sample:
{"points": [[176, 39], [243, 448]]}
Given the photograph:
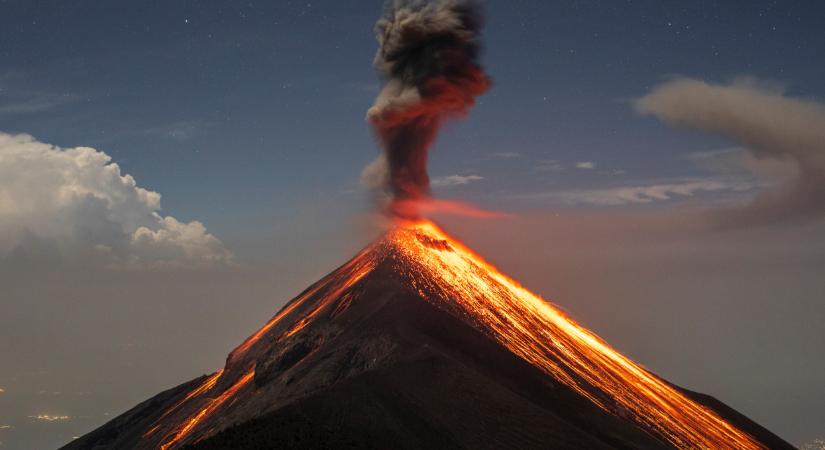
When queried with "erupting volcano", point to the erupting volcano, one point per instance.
{"points": [[417, 342]]}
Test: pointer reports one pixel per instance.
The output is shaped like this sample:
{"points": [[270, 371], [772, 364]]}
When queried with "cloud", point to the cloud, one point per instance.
{"points": [[455, 180], [549, 165], [24, 101], [180, 131], [771, 126], [174, 241], [636, 194], [75, 203], [585, 165], [737, 161]]}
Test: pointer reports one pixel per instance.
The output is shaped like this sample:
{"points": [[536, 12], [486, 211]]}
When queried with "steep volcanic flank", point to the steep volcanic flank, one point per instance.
{"points": [[418, 343]]}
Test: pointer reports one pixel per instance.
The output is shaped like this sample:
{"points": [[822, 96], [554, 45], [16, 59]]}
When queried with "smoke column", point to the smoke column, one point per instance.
{"points": [[428, 59]]}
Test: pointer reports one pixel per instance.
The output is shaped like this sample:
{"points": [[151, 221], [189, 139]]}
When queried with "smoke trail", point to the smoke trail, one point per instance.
{"points": [[428, 58]]}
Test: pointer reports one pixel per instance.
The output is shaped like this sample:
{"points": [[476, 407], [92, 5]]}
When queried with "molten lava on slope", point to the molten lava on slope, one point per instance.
{"points": [[550, 340], [350, 324]]}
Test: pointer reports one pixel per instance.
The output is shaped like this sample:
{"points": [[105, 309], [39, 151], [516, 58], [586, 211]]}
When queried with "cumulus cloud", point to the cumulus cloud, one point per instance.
{"points": [[585, 165], [771, 126], [635, 194], [75, 203], [455, 180]]}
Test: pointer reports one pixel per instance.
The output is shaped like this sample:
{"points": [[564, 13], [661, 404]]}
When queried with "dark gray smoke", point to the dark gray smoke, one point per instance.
{"points": [[428, 58]]}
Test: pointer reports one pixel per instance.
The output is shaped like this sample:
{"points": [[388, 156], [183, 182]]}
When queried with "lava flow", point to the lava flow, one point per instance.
{"points": [[543, 335], [443, 272], [212, 406]]}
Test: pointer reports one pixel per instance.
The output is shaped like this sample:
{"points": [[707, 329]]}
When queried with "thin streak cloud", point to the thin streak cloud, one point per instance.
{"points": [[637, 194], [455, 180]]}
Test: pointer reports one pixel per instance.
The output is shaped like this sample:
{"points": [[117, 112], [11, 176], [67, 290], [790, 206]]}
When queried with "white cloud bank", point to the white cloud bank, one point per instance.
{"points": [[75, 203]]}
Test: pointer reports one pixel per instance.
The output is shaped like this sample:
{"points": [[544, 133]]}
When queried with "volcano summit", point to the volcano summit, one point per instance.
{"points": [[417, 342]]}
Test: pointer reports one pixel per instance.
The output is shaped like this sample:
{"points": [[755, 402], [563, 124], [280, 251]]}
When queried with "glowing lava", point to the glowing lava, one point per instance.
{"points": [[212, 406], [543, 335], [445, 273]]}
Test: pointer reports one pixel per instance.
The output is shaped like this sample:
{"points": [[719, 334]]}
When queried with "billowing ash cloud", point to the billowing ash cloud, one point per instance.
{"points": [[428, 57], [74, 204], [768, 124]]}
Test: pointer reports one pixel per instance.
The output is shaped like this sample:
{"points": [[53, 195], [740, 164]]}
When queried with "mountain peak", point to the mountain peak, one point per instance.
{"points": [[420, 300]]}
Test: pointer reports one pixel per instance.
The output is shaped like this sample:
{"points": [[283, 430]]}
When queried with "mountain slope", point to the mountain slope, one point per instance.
{"points": [[418, 343]]}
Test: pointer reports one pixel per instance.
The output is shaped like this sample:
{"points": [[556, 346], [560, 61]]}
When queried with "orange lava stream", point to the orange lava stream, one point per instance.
{"points": [[440, 267], [546, 337], [351, 272], [212, 406], [208, 384], [353, 277]]}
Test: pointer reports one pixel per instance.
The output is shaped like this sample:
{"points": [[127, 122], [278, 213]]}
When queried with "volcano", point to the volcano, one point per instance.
{"points": [[417, 342]]}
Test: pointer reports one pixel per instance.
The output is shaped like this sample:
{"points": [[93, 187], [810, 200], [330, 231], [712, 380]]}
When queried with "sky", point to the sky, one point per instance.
{"points": [[171, 173]]}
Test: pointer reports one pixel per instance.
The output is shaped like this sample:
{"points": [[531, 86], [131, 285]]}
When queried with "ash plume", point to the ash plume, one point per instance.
{"points": [[428, 59]]}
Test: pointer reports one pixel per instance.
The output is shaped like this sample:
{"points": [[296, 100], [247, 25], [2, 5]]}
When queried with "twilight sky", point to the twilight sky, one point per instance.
{"points": [[663, 163]]}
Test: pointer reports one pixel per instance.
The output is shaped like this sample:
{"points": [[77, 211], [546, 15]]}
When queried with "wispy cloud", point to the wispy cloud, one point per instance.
{"points": [[769, 125], [738, 161], [638, 194], [15, 98], [455, 180], [548, 165], [31, 102], [587, 165], [183, 130]]}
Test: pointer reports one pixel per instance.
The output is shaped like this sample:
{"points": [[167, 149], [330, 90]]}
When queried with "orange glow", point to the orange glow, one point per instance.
{"points": [[428, 206], [208, 384], [359, 265], [207, 410], [359, 272], [448, 274], [546, 337]]}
